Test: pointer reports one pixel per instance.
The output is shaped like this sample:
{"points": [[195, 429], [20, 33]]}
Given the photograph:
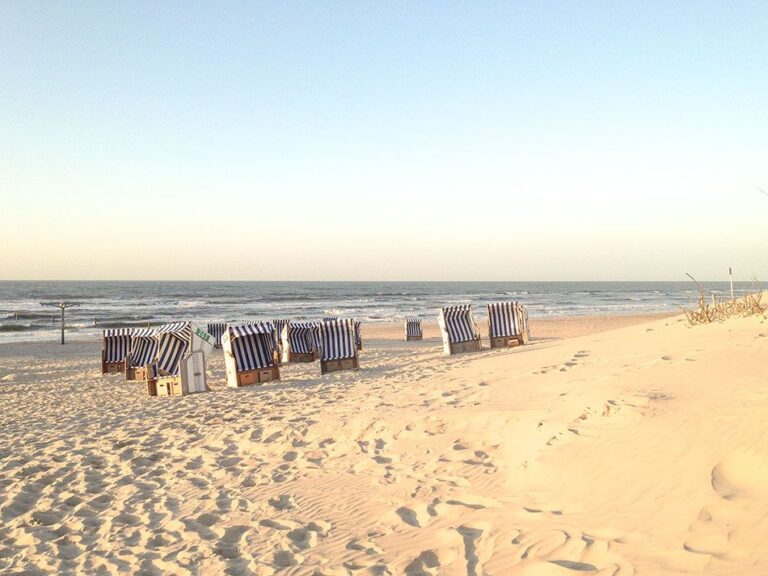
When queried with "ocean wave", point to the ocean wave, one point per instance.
{"points": [[32, 316], [104, 305], [16, 327]]}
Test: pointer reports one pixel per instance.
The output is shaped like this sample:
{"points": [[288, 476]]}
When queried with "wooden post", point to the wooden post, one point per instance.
{"points": [[62, 306], [730, 274]]}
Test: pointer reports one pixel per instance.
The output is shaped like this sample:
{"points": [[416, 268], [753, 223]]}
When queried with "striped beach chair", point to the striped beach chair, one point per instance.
{"points": [[413, 329], [506, 322], [173, 341], [358, 336], [458, 329], [249, 354], [524, 323], [338, 350], [279, 325], [115, 346], [299, 342], [216, 329], [179, 366], [142, 353]]}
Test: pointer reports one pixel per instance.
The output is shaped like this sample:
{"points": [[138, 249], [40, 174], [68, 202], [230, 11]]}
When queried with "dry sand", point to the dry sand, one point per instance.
{"points": [[642, 449]]}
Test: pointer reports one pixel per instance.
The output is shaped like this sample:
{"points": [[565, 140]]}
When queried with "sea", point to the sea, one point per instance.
{"points": [[100, 305]]}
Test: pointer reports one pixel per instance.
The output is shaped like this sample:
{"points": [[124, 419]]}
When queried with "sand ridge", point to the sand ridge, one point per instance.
{"points": [[638, 450]]}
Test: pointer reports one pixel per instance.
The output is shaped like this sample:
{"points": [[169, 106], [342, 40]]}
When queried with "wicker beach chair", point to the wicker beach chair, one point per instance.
{"points": [[249, 354], [458, 329], [507, 323], [180, 362], [299, 342], [142, 353], [115, 346], [279, 325], [216, 329], [338, 349], [413, 329]]}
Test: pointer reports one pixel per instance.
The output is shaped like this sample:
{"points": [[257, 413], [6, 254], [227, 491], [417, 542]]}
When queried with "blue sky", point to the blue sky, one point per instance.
{"points": [[383, 140]]}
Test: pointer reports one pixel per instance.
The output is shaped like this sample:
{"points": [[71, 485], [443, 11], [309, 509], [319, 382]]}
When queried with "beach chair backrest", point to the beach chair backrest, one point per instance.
{"points": [[116, 344], [523, 315], [458, 323], [143, 347], [504, 319], [413, 327], [216, 329], [279, 324], [329, 318], [252, 345], [337, 340], [173, 341], [301, 337]]}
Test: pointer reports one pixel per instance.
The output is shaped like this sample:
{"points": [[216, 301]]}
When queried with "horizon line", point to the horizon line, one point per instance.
{"points": [[686, 280]]}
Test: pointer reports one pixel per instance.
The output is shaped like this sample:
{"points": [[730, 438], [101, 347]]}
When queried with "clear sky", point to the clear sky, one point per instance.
{"points": [[417, 140]]}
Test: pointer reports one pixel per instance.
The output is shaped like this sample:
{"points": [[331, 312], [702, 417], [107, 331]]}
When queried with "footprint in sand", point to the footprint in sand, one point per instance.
{"points": [[560, 549], [283, 502], [478, 546], [447, 551], [732, 527]]}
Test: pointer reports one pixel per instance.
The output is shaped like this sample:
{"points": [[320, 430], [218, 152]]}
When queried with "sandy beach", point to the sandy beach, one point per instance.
{"points": [[611, 446]]}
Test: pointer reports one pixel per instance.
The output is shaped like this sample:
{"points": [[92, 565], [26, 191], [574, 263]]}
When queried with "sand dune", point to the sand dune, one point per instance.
{"points": [[638, 450]]}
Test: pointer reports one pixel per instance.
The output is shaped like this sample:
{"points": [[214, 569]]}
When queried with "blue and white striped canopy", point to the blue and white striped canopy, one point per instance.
{"points": [[459, 323], [116, 344], [115, 332], [329, 318], [503, 319], [181, 329], [251, 329], [170, 350], [143, 332], [217, 329], [173, 342], [252, 345], [279, 324], [303, 337], [413, 327], [337, 339], [143, 351]]}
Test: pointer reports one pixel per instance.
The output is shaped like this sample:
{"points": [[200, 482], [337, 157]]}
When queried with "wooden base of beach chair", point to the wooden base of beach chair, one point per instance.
{"points": [[526, 336], [506, 341], [327, 366], [302, 356], [470, 346], [413, 338], [169, 386], [112, 367], [249, 377], [136, 373]]}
